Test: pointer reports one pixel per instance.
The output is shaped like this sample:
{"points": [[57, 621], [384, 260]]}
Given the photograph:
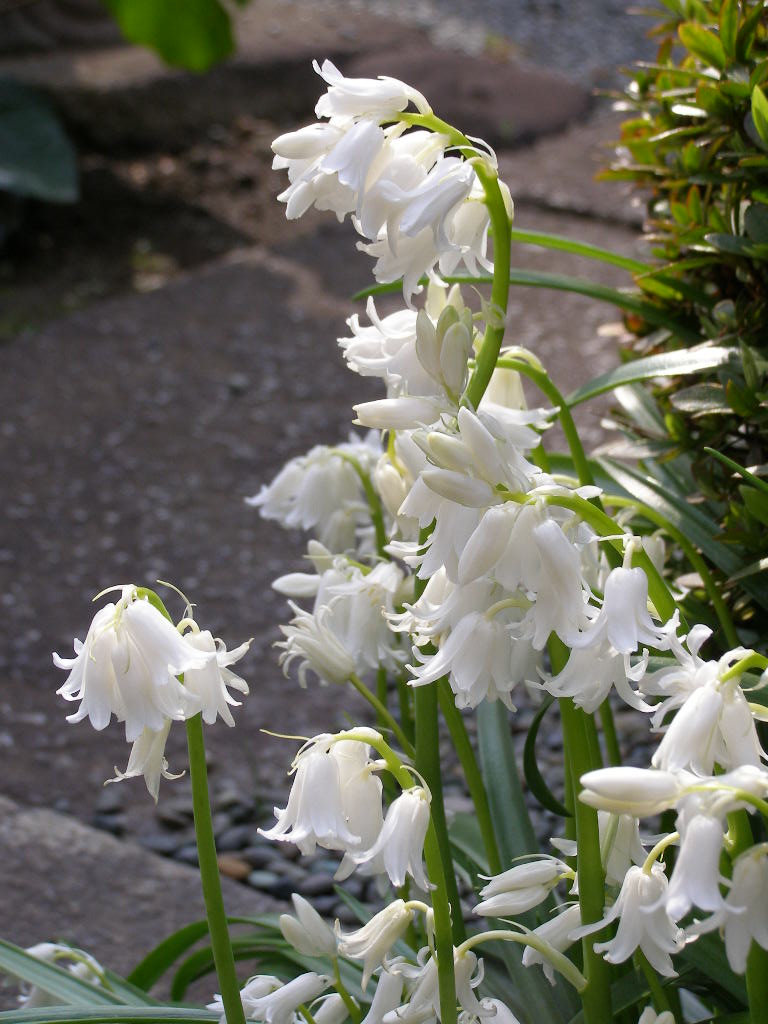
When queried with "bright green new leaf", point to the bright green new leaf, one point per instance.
{"points": [[192, 34], [703, 44], [667, 364], [760, 113], [729, 24]]}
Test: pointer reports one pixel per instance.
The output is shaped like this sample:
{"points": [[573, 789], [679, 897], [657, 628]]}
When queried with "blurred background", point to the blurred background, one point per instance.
{"points": [[168, 340]]}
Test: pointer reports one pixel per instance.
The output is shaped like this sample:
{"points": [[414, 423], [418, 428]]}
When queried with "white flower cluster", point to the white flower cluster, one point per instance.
{"points": [[136, 665], [335, 802], [708, 765], [417, 207]]}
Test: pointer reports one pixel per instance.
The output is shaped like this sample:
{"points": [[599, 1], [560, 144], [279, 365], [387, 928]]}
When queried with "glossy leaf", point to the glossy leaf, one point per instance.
{"points": [[668, 364], [760, 113], [705, 45], [37, 160]]}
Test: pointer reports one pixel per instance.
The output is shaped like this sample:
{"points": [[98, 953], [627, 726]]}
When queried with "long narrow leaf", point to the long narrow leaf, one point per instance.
{"points": [[102, 1015], [154, 965], [53, 979], [666, 364], [514, 832], [594, 252], [533, 775], [628, 301]]}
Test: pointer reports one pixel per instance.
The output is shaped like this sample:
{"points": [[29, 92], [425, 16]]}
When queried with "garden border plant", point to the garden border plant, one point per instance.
{"points": [[455, 564]]}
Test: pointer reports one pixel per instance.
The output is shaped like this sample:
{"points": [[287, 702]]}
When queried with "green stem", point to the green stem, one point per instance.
{"points": [[612, 748], [223, 957], [472, 773], [757, 959], [655, 987], [374, 503], [541, 379], [352, 1008], [441, 906], [502, 244], [383, 714], [427, 763], [579, 752]]}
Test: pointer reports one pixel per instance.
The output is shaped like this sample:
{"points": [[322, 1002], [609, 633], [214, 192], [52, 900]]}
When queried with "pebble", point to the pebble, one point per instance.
{"points": [[187, 854], [161, 842], [233, 867], [235, 837], [316, 885], [257, 856], [113, 823], [265, 880]]}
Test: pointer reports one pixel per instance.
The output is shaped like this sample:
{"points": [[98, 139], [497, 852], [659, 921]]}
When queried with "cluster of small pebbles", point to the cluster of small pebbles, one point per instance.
{"points": [[277, 869]]}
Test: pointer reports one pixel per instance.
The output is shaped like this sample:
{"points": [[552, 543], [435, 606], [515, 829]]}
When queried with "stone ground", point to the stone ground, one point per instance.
{"points": [[168, 344]]}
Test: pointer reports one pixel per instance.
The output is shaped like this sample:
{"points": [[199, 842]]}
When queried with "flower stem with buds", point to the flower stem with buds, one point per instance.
{"points": [[223, 957]]}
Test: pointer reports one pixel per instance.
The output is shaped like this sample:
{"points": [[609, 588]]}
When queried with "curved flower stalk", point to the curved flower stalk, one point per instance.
{"points": [[416, 206]]}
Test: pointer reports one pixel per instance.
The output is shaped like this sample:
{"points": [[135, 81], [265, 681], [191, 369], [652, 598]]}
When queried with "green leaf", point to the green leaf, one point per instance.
{"points": [[667, 364], [626, 300], [746, 34], [756, 223], [729, 24], [703, 44], [758, 482], [707, 955], [533, 776], [563, 244], [756, 501], [700, 400], [154, 965], [192, 34], [96, 1015], [57, 981], [464, 833], [760, 113], [37, 160], [514, 832]]}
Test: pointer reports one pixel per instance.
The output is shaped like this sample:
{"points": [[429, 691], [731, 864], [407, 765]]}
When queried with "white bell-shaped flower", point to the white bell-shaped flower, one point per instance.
{"points": [[322, 492], [643, 922], [373, 941], [386, 998], [696, 877], [522, 887], [307, 932], [557, 932], [400, 844], [279, 1005], [744, 914], [128, 667], [147, 758], [376, 98], [332, 799], [210, 684], [624, 620]]}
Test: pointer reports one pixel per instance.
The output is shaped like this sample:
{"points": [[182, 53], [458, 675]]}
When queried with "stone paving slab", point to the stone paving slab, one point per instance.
{"points": [[559, 172], [123, 97], [63, 880]]}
